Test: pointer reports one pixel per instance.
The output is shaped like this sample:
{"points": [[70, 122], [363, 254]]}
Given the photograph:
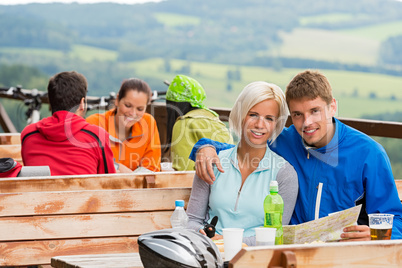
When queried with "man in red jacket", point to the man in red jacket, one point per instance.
{"points": [[65, 141]]}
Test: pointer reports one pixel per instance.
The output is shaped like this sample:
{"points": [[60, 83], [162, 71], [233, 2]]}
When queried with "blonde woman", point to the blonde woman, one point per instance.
{"points": [[237, 195]]}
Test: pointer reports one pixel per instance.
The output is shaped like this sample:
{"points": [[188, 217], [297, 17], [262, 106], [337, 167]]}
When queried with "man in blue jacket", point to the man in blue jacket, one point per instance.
{"points": [[338, 167]]}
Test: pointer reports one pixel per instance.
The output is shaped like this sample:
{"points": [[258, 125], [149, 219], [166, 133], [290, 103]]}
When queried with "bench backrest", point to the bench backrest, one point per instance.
{"points": [[35, 226], [97, 182], [11, 150], [386, 253], [10, 138], [399, 188]]}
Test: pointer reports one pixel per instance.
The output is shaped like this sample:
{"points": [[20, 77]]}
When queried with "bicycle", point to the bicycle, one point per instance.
{"points": [[31, 98], [34, 99], [101, 103], [107, 102]]}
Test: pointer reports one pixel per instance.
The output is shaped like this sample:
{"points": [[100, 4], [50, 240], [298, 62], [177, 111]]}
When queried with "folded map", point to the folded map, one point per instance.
{"points": [[324, 229]]}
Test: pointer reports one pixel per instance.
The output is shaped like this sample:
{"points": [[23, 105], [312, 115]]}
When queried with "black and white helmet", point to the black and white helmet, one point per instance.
{"points": [[178, 248]]}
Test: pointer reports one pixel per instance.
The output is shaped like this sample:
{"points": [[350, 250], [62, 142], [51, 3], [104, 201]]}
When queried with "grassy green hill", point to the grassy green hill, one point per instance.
{"points": [[329, 45], [351, 89], [357, 93], [379, 32], [347, 45], [359, 45]]}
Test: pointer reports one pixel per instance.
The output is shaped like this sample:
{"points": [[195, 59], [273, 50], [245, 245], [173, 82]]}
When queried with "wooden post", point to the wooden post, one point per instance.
{"points": [[5, 121]]}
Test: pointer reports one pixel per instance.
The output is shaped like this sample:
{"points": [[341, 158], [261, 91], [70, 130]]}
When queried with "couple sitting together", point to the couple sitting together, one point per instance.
{"points": [[322, 166]]}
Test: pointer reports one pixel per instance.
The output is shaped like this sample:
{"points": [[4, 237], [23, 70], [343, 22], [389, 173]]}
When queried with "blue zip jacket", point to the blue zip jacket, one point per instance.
{"points": [[352, 169]]}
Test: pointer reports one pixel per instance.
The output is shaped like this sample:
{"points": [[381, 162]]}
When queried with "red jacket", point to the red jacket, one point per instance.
{"points": [[68, 145]]}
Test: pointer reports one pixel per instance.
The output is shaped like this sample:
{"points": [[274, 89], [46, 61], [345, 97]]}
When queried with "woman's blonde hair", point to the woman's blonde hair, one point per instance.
{"points": [[252, 94]]}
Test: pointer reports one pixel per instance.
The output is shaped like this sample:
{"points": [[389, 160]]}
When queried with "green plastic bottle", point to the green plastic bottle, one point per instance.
{"points": [[273, 207]]}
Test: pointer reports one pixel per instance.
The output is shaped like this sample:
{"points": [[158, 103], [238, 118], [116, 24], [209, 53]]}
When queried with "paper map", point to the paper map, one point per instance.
{"points": [[324, 229]]}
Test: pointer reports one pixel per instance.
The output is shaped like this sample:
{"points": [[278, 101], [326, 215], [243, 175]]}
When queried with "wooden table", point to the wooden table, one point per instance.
{"points": [[121, 260]]}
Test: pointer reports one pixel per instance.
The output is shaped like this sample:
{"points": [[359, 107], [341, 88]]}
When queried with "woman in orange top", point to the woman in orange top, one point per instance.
{"points": [[134, 136]]}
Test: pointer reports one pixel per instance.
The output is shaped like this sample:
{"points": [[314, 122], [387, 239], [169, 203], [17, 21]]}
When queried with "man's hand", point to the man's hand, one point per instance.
{"points": [[206, 157], [356, 233]]}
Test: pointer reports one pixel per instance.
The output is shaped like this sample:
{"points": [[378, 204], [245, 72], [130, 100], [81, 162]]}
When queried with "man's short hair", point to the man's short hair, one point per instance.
{"points": [[66, 90], [309, 84]]}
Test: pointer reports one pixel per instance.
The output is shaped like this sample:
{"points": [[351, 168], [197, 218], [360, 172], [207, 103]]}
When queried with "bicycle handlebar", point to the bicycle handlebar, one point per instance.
{"points": [[23, 94], [34, 98]]}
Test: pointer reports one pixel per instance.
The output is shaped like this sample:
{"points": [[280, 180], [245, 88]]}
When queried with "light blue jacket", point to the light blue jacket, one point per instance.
{"points": [[242, 209]]}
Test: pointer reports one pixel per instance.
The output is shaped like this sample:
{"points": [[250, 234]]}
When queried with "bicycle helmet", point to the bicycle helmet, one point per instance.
{"points": [[178, 248]]}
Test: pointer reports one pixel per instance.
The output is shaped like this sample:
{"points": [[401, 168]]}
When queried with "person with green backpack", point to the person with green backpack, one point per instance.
{"points": [[189, 120]]}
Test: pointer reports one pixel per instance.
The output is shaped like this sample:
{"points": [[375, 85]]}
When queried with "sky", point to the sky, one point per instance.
{"points": [[16, 2]]}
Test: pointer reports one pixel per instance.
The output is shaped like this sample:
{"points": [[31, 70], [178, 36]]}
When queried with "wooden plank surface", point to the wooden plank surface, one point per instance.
{"points": [[399, 187], [386, 253], [10, 138], [176, 179], [71, 183], [41, 252], [94, 182], [90, 201], [82, 226], [128, 260], [11, 150], [35, 226]]}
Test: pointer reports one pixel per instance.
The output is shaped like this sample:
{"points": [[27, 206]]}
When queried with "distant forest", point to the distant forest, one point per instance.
{"points": [[223, 31]]}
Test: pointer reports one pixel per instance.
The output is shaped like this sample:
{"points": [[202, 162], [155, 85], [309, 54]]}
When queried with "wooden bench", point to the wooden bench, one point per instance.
{"points": [[386, 253], [11, 150], [10, 138], [97, 182], [399, 188], [36, 226]]}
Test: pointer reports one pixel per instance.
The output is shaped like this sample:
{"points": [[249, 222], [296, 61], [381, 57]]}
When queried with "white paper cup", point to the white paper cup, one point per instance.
{"points": [[232, 241], [265, 236]]}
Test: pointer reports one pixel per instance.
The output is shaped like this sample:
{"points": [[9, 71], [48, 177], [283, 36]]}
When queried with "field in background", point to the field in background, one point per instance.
{"points": [[174, 20], [357, 93], [31, 52], [84, 53], [379, 32], [359, 45], [87, 53], [327, 45], [309, 21]]}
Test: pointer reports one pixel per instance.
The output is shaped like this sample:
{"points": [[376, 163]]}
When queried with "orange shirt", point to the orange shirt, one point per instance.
{"points": [[142, 148]]}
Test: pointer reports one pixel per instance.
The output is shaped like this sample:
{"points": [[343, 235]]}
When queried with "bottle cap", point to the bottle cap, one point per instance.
{"points": [[179, 203], [273, 186]]}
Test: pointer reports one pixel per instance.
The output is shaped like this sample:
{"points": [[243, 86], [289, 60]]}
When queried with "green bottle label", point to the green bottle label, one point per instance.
{"points": [[273, 220], [279, 236]]}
